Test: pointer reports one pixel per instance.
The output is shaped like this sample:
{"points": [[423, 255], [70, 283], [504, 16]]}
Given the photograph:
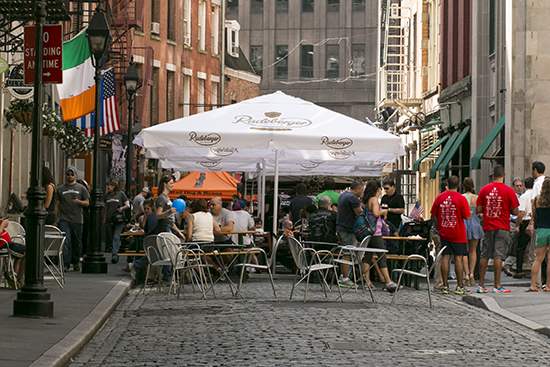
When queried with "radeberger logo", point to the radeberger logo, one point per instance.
{"points": [[205, 139], [224, 151], [310, 164], [210, 163], [341, 154], [334, 143], [272, 122]]}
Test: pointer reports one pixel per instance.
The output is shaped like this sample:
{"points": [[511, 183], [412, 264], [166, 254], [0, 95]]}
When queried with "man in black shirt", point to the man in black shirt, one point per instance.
{"points": [[395, 204], [299, 202]]}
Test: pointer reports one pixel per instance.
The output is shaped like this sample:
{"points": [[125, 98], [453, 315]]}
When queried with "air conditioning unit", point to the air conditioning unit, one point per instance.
{"points": [[187, 39], [155, 28]]}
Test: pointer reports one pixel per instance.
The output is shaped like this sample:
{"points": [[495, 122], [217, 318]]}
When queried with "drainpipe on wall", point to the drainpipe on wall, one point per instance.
{"points": [[222, 65]]}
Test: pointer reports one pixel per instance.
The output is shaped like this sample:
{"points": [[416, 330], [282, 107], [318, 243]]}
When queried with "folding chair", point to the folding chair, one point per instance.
{"points": [[155, 260], [306, 267], [53, 243], [419, 274], [6, 265], [17, 232], [247, 264]]}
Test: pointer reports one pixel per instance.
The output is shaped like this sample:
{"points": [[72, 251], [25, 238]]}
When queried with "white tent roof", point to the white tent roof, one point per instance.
{"points": [[251, 130]]}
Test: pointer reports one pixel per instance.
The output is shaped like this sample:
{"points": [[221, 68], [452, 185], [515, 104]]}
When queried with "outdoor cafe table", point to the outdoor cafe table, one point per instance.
{"points": [[392, 259], [403, 241]]}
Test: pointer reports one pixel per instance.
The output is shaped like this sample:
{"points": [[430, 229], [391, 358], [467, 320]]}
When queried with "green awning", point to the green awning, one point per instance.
{"points": [[458, 142], [443, 153], [486, 144], [433, 147]]}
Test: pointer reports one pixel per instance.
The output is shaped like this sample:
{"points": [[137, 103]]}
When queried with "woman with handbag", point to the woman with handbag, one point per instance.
{"points": [[375, 216], [116, 203]]}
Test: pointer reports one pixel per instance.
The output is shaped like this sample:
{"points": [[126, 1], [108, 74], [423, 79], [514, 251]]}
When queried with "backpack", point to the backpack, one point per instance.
{"points": [[322, 227], [363, 226]]}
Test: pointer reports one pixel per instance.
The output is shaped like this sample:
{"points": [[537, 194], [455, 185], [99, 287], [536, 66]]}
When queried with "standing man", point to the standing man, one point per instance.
{"points": [[299, 202], [137, 203], [510, 263], [73, 197], [449, 210], [496, 202], [524, 217], [349, 207], [395, 204]]}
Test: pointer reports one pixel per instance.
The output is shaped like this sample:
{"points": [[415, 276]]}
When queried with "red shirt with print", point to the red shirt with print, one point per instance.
{"points": [[6, 237], [497, 200], [450, 209]]}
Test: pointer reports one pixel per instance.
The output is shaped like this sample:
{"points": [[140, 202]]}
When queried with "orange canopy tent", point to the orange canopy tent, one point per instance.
{"points": [[205, 185]]}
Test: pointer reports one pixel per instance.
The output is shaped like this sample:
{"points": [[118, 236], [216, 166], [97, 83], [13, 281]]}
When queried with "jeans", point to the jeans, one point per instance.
{"points": [[523, 241], [115, 229], [73, 242]]}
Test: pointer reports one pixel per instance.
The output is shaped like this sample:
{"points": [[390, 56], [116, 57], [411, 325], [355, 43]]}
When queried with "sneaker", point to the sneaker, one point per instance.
{"points": [[346, 283], [460, 291], [444, 290], [132, 271], [391, 287], [250, 269], [481, 289], [501, 290], [114, 259]]}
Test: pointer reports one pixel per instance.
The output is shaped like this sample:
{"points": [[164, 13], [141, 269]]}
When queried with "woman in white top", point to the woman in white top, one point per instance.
{"points": [[200, 224]]}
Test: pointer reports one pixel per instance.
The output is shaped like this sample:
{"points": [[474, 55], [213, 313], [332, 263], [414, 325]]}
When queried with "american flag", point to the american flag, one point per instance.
{"points": [[108, 118], [417, 213]]}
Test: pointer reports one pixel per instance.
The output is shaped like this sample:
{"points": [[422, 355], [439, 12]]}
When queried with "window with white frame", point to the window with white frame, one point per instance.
{"points": [[214, 95], [186, 95], [187, 22], [202, 25], [215, 31], [200, 96], [232, 28]]}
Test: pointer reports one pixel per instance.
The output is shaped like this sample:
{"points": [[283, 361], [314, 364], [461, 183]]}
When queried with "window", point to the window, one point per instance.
{"points": [[307, 6], [281, 6], [215, 31], [281, 59], [333, 61], [232, 5], [202, 26], [154, 103], [492, 26], [187, 22], [232, 28], [170, 106], [358, 5], [306, 61], [170, 21], [155, 11], [200, 96], [256, 58], [186, 95], [357, 60], [257, 6], [333, 5], [214, 95]]}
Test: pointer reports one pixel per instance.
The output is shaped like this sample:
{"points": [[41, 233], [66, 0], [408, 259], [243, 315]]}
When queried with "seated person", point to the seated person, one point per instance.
{"points": [[243, 222], [17, 250], [200, 223], [322, 224], [225, 219]]}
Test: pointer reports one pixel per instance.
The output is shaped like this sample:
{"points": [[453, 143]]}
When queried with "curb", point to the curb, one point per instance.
{"points": [[62, 352], [489, 304]]}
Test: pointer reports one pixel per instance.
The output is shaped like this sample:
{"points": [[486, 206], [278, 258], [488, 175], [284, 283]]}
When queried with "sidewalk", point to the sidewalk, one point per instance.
{"points": [[79, 310]]}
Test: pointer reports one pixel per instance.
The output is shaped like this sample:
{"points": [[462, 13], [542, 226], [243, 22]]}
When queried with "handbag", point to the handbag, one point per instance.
{"points": [[118, 217], [363, 226]]}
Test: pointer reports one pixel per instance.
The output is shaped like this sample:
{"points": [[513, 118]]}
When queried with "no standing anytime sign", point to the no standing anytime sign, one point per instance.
{"points": [[52, 54]]}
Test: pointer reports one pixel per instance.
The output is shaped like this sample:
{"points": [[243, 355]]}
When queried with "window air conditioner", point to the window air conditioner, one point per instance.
{"points": [[155, 28]]}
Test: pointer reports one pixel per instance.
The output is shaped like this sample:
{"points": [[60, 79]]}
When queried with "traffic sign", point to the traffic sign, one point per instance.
{"points": [[52, 54]]}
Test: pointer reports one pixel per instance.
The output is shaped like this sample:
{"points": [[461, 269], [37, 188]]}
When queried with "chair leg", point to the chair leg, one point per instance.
{"points": [[294, 284], [211, 281], [429, 287], [272, 282], [242, 275], [337, 286], [398, 285], [307, 285]]}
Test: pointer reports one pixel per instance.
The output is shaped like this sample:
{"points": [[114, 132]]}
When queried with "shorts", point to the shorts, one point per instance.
{"points": [[543, 237], [456, 249], [17, 249], [377, 242], [347, 238], [496, 244]]}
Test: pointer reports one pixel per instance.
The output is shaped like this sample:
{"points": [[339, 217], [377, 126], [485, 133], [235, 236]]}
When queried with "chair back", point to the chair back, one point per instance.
{"points": [[364, 244], [53, 241], [16, 231], [169, 245], [150, 246], [296, 249]]}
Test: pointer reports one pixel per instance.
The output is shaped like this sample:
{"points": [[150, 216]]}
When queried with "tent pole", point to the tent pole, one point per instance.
{"points": [[262, 186], [276, 193]]}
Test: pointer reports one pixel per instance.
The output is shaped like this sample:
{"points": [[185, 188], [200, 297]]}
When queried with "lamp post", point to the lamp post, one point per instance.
{"points": [[132, 84], [33, 300], [99, 39]]}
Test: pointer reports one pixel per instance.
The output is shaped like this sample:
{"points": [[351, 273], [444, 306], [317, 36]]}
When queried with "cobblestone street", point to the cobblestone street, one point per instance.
{"points": [[159, 330]]}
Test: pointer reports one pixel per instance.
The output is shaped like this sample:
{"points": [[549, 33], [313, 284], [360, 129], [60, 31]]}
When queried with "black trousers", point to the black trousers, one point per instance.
{"points": [[523, 242]]}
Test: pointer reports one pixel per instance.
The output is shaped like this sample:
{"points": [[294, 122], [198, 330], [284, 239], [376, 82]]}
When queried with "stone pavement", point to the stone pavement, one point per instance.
{"points": [[78, 311], [160, 330]]}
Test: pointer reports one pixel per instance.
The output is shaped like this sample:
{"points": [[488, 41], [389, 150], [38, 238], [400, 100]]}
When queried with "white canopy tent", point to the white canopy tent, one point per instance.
{"points": [[286, 133]]}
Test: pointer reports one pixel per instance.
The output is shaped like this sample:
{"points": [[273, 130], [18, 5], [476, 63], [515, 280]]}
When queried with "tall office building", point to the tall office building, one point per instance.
{"points": [[320, 50]]}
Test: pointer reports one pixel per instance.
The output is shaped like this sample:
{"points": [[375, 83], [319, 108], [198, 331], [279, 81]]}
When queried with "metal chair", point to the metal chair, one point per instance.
{"points": [[16, 231], [247, 264], [154, 259], [53, 243], [306, 267], [7, 268], [273, 259], [189, 261]]}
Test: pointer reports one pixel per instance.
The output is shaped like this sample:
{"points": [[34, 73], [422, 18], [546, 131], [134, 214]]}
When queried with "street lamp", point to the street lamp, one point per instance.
{"points": [[132, 84], [99, 40]]}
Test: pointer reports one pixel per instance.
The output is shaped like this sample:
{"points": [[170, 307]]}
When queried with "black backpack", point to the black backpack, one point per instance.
{"points": [[322, 227]]}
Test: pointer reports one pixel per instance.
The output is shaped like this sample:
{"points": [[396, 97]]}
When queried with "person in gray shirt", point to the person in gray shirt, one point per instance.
{"points": [[225, 219], [72, 197]]}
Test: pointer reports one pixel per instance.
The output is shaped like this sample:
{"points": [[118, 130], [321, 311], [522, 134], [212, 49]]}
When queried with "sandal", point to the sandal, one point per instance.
{"points": [[536, 290], [472, 280], [546, 289]]}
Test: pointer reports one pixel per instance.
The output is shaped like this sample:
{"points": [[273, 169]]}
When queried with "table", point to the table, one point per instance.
{"points": [[403, 241], [403, 256]]}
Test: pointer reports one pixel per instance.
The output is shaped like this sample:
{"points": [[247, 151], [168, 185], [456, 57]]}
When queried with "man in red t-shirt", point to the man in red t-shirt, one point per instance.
{"points": [[496, 201], [449, 211]]}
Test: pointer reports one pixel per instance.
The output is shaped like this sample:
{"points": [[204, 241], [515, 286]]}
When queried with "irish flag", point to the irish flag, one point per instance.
{"points": [[77, 92]]}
